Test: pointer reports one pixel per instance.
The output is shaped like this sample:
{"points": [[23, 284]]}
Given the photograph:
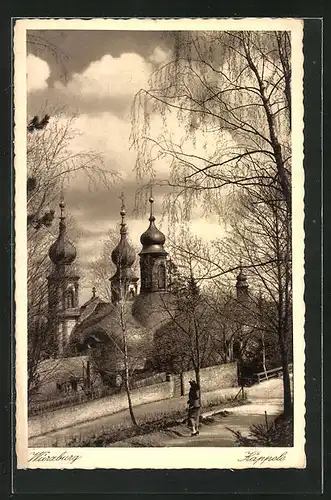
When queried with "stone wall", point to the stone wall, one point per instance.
{"points": [[73, 415], [157, 378], [212, 378]]}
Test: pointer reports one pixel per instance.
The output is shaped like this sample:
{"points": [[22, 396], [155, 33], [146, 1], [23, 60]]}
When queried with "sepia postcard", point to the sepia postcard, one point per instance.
{"points": [[159, 243]]}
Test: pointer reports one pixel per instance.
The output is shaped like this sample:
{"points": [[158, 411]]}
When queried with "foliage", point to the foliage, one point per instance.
{"points": [[230, 92], [187, 339]]}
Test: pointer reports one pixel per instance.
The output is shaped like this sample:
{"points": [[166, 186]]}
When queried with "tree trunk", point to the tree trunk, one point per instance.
{"points": [[127, 383], [197, 376], [288, 407], [182, 388], [264, 356], [128, 393]]}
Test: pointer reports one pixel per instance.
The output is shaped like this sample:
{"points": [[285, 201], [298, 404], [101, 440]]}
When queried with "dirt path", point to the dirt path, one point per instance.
{"points": [[264, 392], [214, 434]]}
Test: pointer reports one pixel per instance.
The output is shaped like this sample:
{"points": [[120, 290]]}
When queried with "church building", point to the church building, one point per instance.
{"points": [[128, 324], [104, 329]]}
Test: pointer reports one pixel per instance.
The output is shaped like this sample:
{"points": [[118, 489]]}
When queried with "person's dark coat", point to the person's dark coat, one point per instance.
{"points": [[194, 396]]}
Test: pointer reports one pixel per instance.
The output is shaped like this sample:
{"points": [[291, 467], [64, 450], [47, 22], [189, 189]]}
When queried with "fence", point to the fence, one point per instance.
{"points": [[37, 408], [274, 372]]}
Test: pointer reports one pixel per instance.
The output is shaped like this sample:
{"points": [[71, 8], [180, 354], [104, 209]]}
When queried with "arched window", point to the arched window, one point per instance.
{"points": [[132, 292], [161, 276], [70, 302]]}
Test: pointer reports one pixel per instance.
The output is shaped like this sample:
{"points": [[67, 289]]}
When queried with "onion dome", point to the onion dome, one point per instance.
{"points": [[153, 239], [62, 251], [123, 255]]}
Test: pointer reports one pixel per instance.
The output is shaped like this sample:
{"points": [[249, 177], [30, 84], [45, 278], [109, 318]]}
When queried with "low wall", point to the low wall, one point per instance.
{"points": [[157, 378], [73, 415], [214, 377]]}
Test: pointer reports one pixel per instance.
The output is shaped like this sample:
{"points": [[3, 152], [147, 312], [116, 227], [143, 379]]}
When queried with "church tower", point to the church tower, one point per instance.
{"points": [[153, 271], [63, 310], [124, 283], [242, 286]]}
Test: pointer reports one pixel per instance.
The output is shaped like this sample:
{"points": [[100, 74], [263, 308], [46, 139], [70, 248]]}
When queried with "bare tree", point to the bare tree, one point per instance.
{"points": [[267, 237], [231, 93], [230, 90], [126, 339], [51, 164], [187, 339]]}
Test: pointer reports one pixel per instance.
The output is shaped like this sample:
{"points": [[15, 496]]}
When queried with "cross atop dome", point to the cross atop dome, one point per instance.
{"points": [[151, 201]]}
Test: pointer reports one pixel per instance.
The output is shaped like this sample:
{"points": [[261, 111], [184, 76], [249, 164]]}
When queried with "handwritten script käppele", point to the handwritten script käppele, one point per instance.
{"points": [[257, 458]]}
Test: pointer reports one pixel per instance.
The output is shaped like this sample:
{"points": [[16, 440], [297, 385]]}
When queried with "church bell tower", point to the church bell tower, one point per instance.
{"points": [[153, 271], [124, 283], [63, 310]]}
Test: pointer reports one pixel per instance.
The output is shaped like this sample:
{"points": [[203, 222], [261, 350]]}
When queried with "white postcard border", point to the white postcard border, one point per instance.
{"points": [[158, 458]]}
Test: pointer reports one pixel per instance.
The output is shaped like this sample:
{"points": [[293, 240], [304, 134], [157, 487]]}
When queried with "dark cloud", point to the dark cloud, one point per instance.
{"points": [[71, 51]]}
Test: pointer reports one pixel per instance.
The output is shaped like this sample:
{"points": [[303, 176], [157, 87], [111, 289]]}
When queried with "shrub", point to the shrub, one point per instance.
{"points": [[276, 433]]}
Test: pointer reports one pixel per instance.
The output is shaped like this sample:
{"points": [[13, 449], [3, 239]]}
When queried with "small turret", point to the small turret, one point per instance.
{"points": [[153, 239]]}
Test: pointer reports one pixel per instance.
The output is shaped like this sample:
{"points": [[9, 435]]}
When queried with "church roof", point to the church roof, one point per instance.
{"points": [[105, 323], [89, 307], [154, 309]]}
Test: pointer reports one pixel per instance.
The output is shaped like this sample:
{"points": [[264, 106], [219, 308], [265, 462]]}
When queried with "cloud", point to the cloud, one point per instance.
{"points": [[107, 84], [102, 94], [159, 56], [38, 72], [109, 77]]}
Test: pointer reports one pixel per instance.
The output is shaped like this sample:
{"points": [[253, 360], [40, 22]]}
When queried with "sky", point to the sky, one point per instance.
{"points": [[94, 75]]}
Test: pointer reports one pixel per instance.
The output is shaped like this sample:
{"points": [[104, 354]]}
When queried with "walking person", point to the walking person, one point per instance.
{"points": [[194, 407]]}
